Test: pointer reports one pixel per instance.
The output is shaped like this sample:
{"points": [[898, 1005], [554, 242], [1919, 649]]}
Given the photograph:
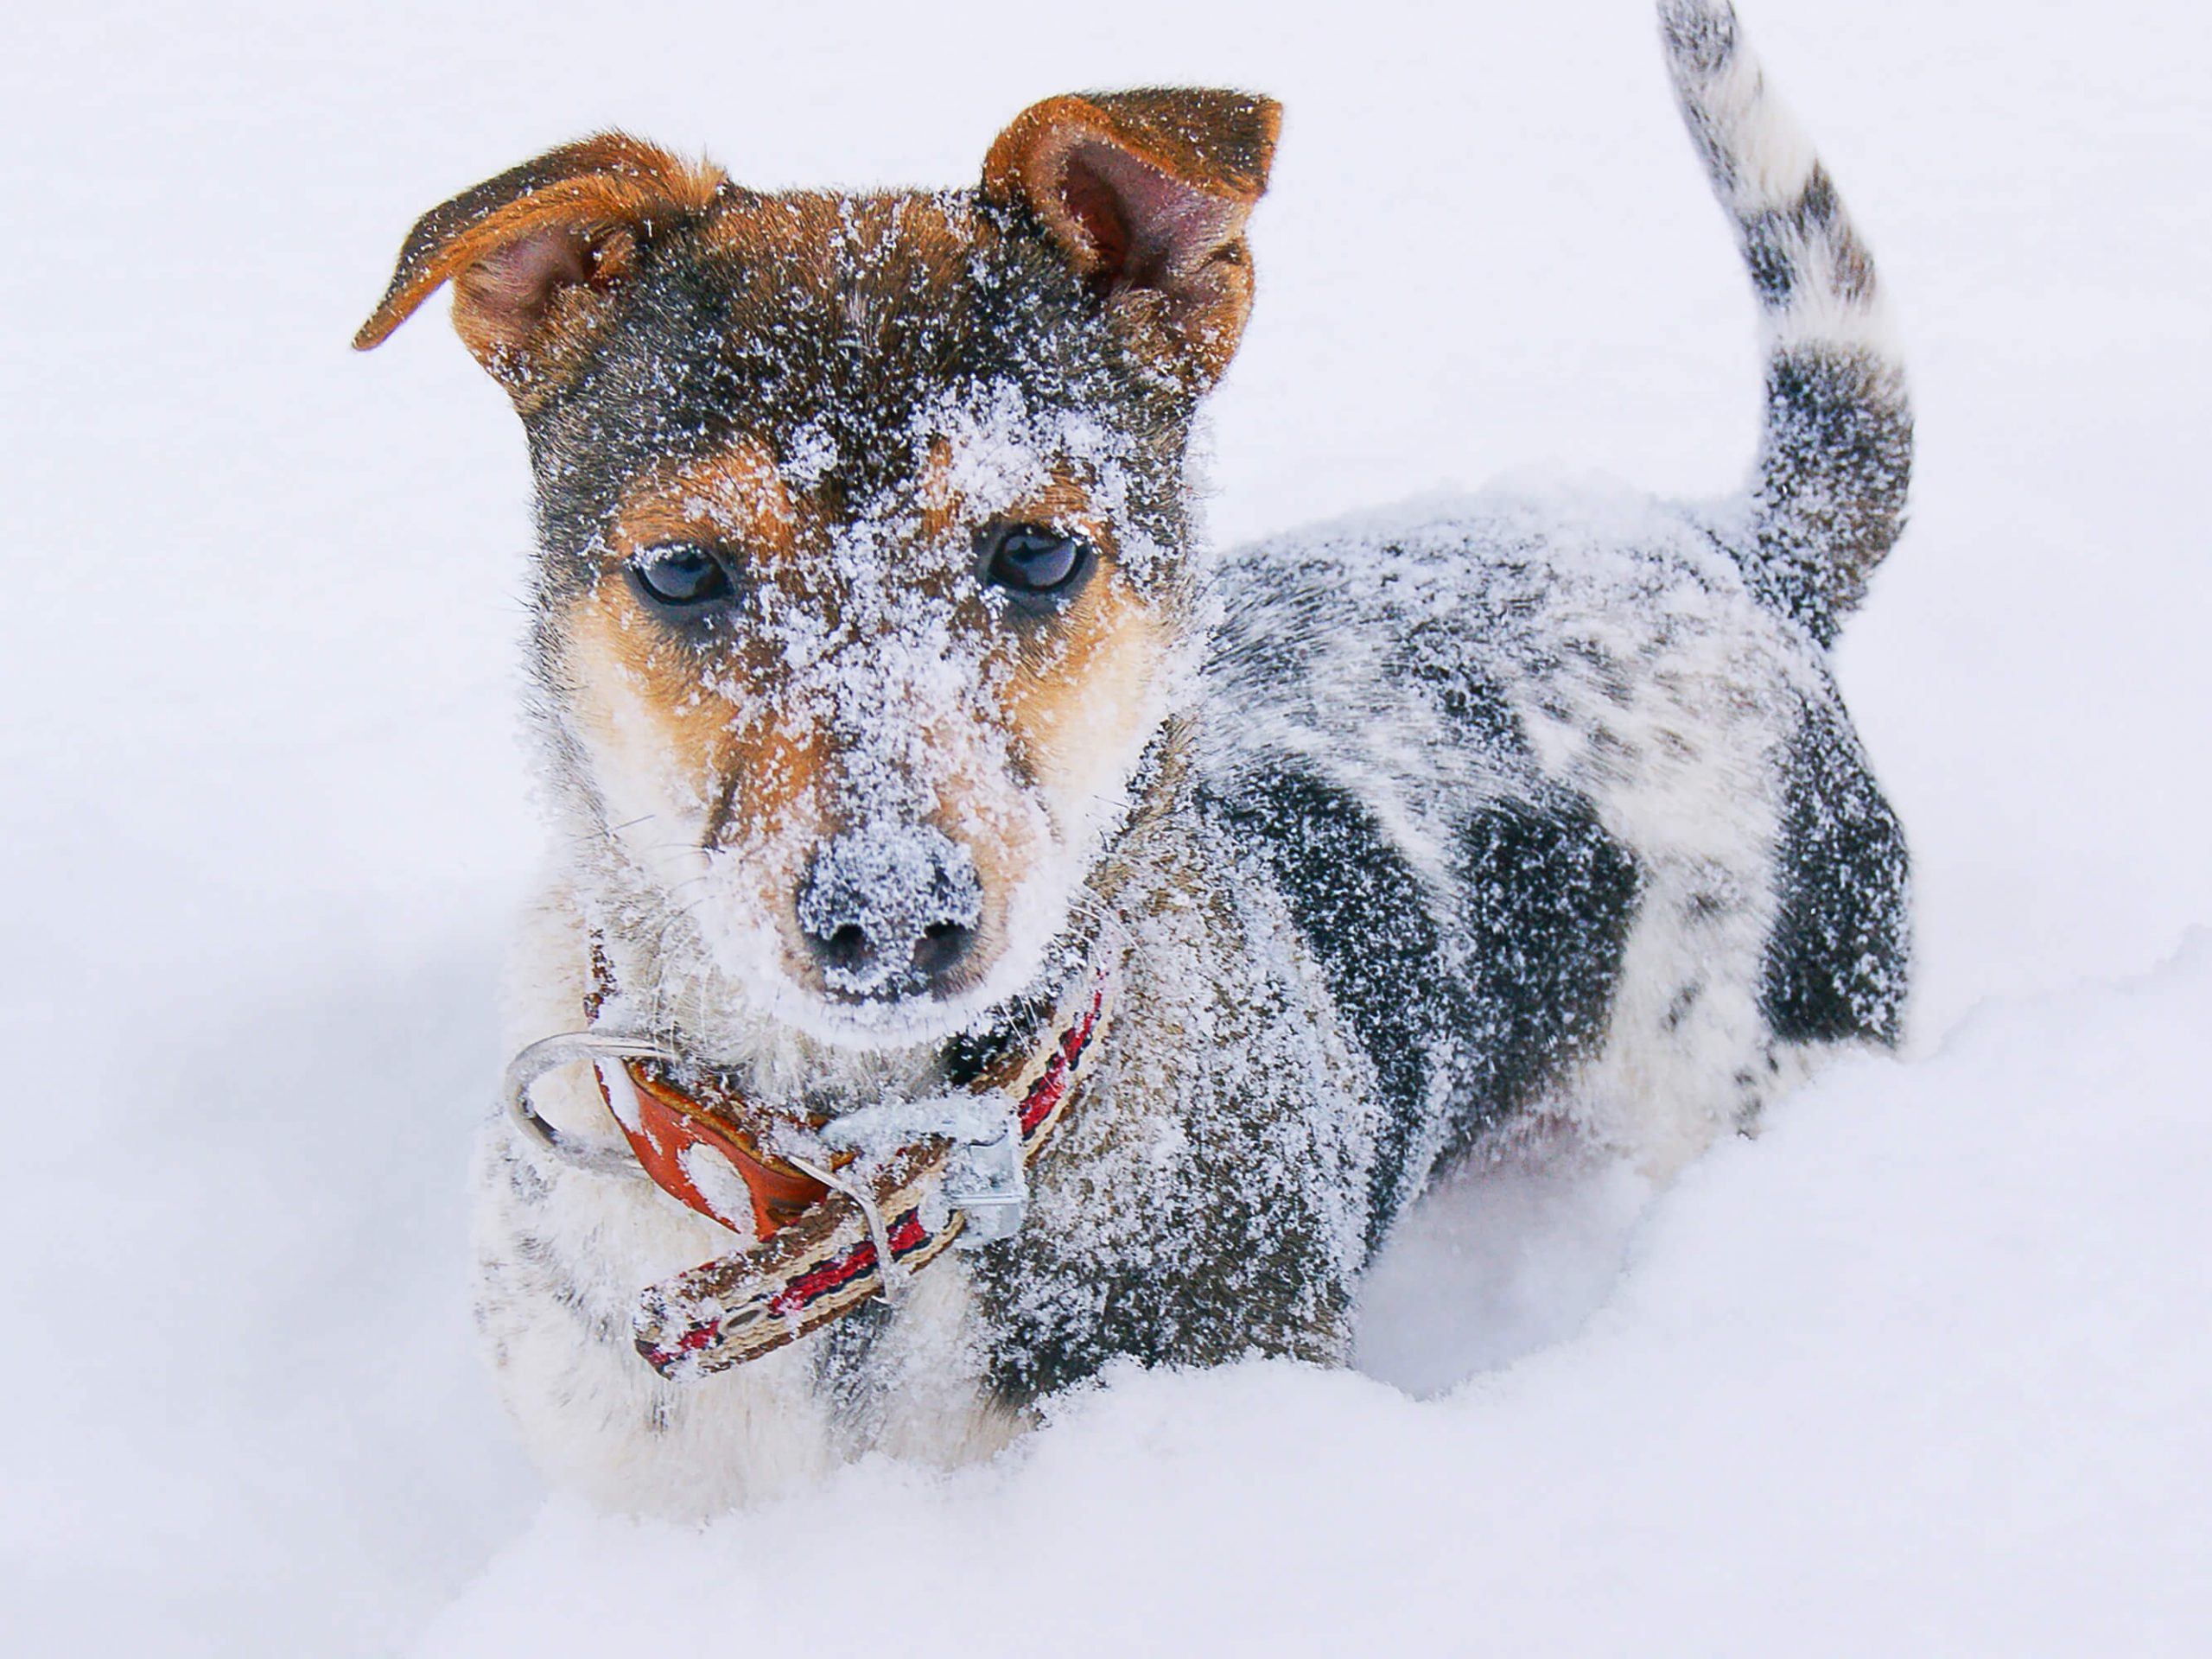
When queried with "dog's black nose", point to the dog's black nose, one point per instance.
{"points": [[890, 909]]}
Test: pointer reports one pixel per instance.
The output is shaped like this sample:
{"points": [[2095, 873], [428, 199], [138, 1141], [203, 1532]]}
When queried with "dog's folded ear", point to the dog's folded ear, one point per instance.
{"points": [[1146, 194], [531, 253]]}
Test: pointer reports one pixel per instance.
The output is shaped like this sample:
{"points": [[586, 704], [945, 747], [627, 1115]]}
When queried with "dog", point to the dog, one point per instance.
{"points": [[920, 774]]}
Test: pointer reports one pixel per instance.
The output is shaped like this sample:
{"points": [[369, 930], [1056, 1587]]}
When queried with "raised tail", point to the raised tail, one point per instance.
{"points": [[1835, 458]]}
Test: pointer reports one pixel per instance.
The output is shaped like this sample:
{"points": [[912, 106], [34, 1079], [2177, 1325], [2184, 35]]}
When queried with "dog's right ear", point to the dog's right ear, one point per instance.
{"points": [[533, 253]]}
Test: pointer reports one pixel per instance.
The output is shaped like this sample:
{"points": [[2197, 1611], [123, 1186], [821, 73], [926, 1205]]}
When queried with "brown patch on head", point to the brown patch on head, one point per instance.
{"points": [[1063, 502], [747, 755], [870, 263], [823, 230], [1081, 709], [735, 499], [529, 252], [711, 699], [1080, 691], [694, 754], [937, 494]]}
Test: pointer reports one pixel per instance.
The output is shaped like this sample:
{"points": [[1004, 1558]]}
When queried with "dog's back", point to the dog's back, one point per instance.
{"points": [[1559, 794]]}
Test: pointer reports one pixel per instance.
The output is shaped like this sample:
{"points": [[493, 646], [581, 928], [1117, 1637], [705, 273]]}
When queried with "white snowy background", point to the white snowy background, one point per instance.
{"points": [[1922, 1370]]}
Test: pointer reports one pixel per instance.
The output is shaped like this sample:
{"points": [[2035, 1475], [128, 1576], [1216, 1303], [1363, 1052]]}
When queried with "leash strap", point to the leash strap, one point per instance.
{"points": [[828, 1235], [809, 1273]]}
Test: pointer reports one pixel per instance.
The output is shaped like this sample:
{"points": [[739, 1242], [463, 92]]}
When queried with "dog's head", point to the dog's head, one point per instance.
{"points": [[862, 525]]}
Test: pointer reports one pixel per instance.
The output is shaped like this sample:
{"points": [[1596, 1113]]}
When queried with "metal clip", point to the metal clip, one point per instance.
{"points": [[982, 1177], [887, 1266], [550, 1054], [983, 1180]]}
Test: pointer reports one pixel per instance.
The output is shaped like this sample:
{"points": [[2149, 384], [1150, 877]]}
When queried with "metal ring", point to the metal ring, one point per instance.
{"points": [[550, 1054]]}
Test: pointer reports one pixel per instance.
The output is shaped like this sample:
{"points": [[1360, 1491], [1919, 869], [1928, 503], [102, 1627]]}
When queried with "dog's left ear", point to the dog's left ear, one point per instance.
{"points": [[1146, 194]]}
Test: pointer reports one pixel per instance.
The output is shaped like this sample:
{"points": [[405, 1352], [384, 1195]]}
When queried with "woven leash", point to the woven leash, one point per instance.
{"points": [[837, 1221]]}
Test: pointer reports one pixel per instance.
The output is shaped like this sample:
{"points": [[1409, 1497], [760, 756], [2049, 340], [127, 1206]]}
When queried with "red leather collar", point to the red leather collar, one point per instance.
{"points": [[674, 1130], [833, 1210]]}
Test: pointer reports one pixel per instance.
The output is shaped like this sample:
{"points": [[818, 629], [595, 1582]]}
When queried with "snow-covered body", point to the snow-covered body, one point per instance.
{"points": [[1425, 832]]}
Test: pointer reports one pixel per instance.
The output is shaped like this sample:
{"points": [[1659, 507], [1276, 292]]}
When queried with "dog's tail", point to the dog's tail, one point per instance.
{"points": [[1836, 455]]}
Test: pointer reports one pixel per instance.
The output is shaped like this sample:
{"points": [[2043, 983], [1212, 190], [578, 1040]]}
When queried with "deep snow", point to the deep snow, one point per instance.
{"points": [[1920, 1370], [1844, 1401]]}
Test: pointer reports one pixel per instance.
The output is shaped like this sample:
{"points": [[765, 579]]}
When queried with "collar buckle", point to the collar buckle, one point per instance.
{"points": [[983, 1179]]}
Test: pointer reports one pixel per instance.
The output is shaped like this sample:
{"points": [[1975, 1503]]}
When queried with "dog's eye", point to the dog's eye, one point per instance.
{"points": [[684, 574], [1033, 562]]}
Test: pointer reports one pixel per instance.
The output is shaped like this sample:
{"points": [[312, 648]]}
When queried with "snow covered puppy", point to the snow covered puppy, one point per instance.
{"points": [[952, 851]]}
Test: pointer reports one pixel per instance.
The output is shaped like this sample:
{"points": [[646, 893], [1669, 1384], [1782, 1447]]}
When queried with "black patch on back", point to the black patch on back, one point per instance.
{"points": [[1480, 714], [1546, 908], [1499, 997], [1838, 964], [1489, 987], [1368, 920]]}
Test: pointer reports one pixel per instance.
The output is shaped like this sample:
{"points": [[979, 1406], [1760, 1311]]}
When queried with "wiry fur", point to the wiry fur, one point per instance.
{"points": [[1425, 832]]}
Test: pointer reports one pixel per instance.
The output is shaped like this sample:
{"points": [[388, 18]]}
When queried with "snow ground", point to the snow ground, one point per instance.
{"points": [[1844, 1401], [1919, 1371]]}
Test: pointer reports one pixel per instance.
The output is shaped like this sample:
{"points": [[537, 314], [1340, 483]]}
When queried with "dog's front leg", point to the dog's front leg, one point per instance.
{"points": [[1209, 1201]]}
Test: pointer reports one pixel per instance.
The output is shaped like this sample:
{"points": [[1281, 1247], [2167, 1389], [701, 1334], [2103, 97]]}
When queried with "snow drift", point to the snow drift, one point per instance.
{"points": [[1917, 1371]]}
